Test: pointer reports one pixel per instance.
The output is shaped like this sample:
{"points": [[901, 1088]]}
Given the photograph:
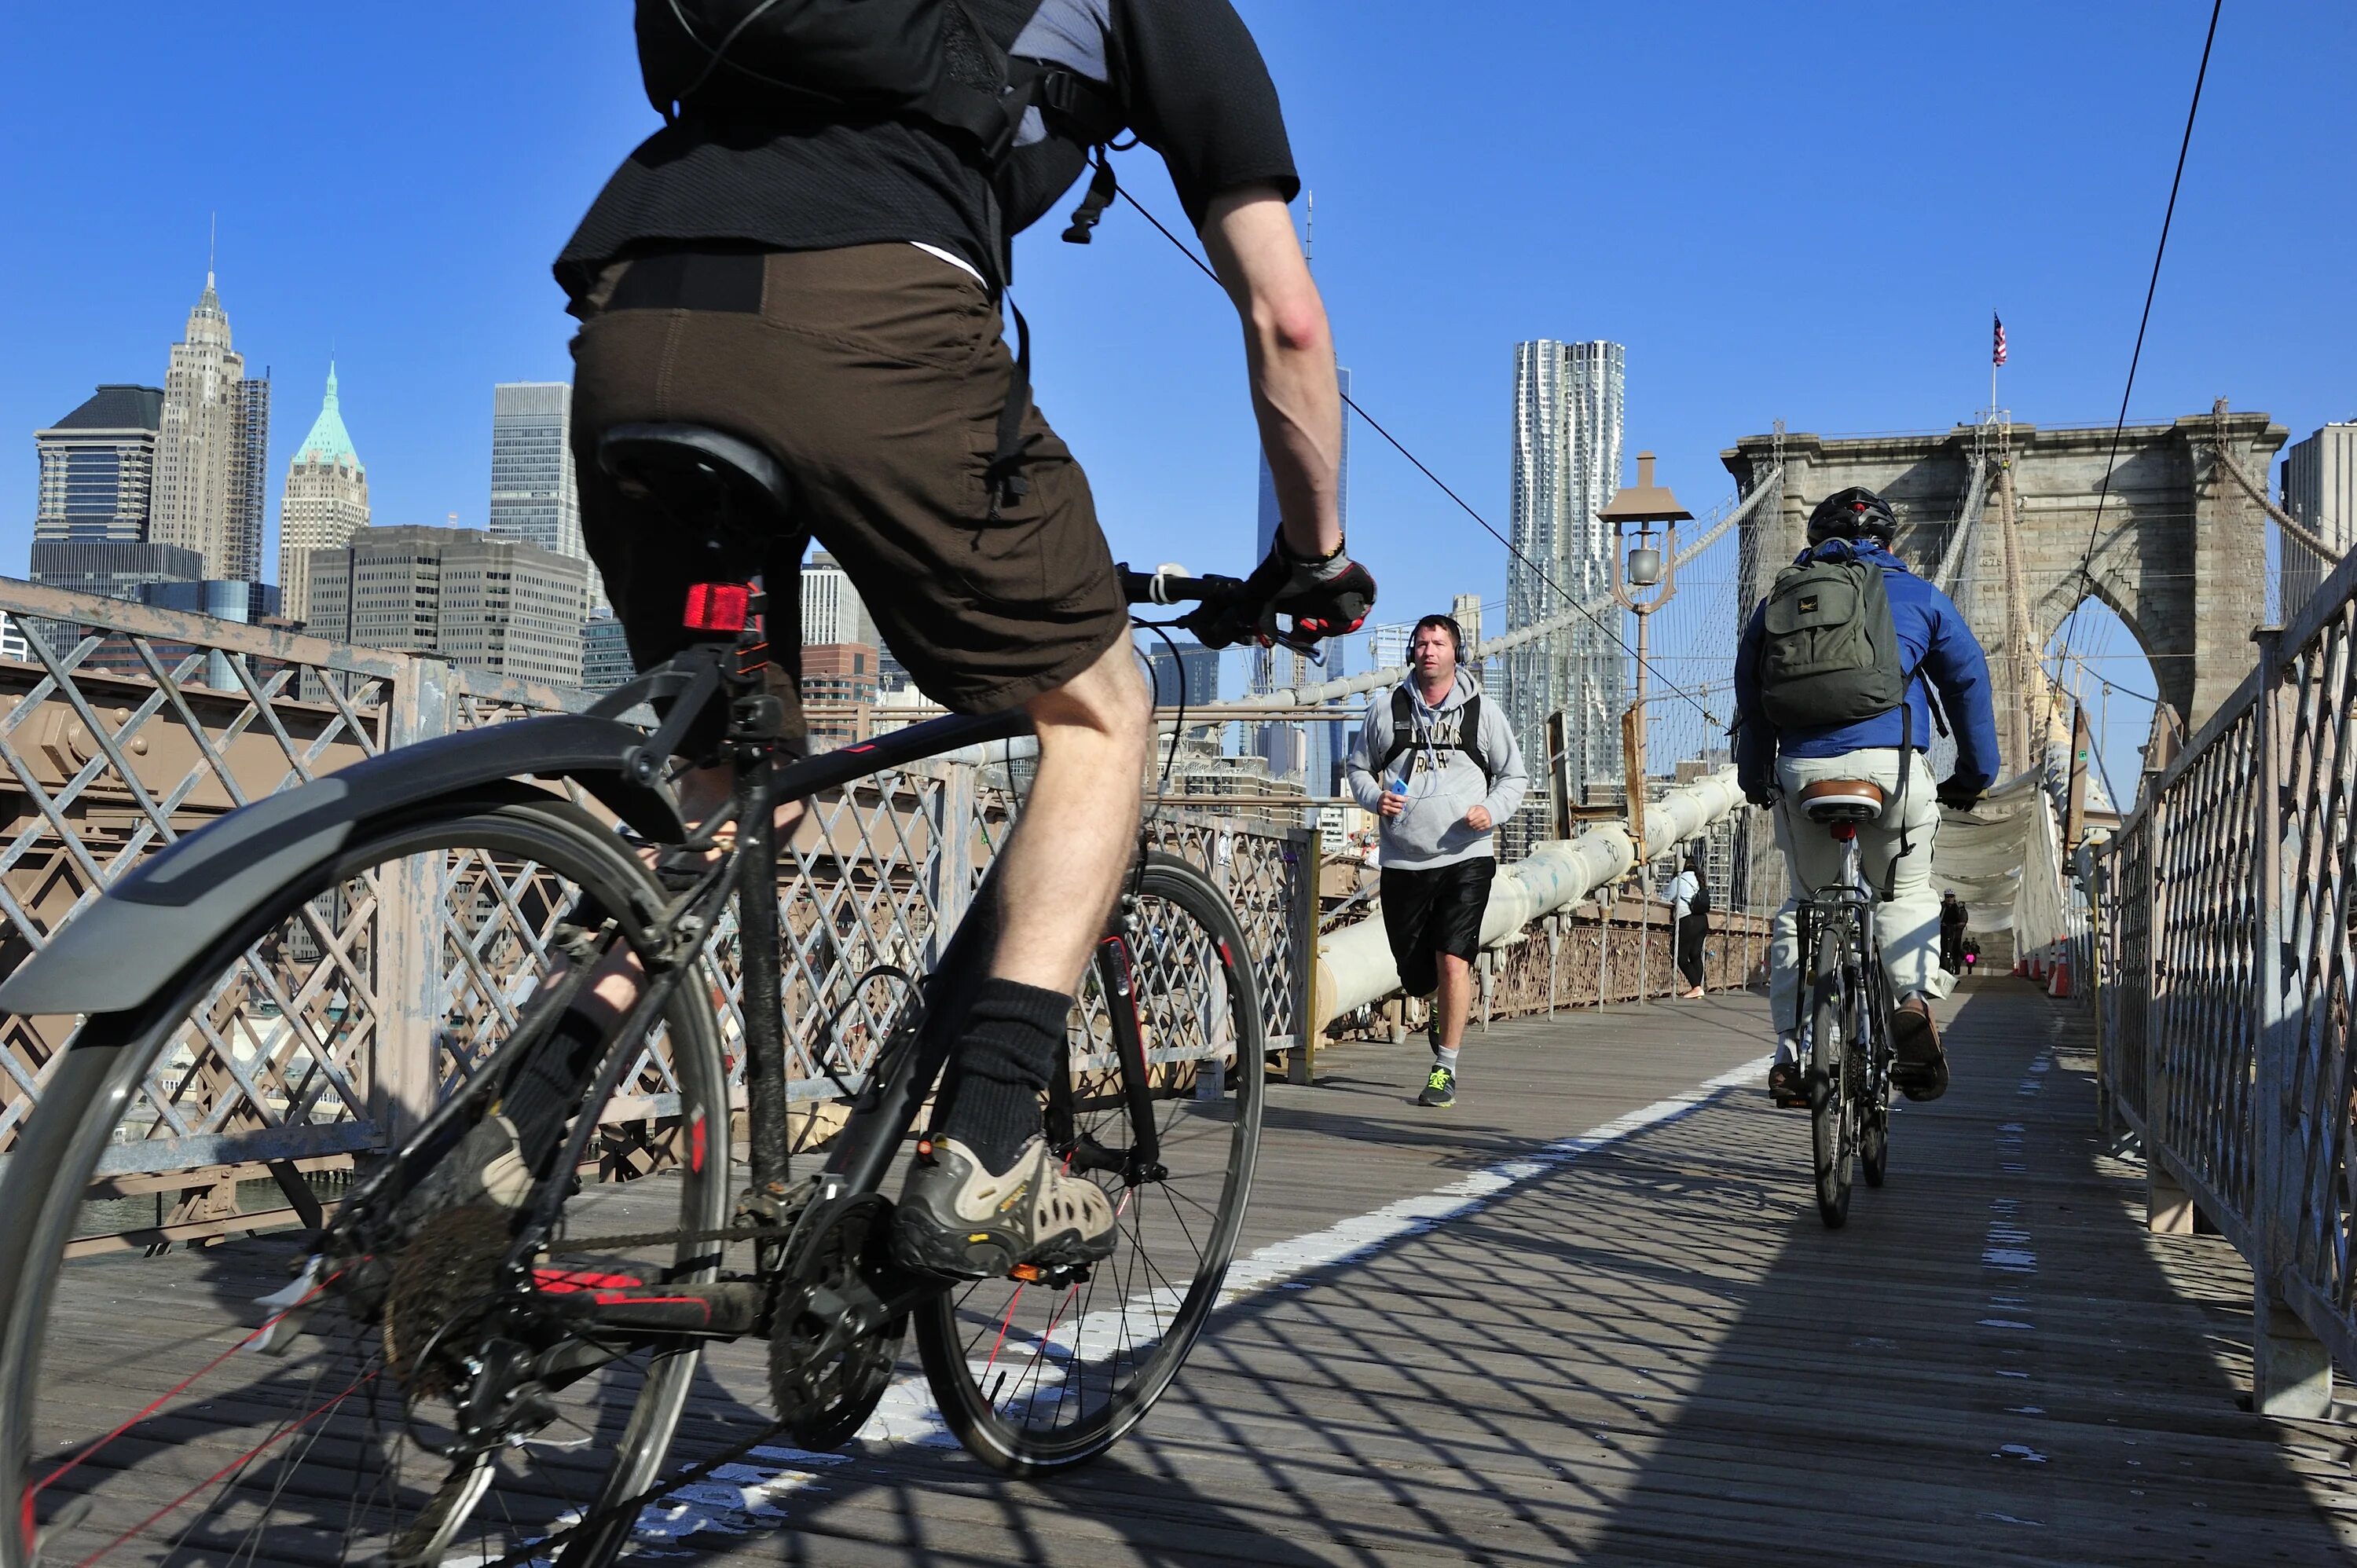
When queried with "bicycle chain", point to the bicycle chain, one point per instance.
{"points": [[576, 1246], [694, 1472]]}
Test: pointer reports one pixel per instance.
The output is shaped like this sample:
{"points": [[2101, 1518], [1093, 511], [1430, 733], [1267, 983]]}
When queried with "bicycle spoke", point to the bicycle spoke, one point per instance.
{"points": [[314, 1449]]}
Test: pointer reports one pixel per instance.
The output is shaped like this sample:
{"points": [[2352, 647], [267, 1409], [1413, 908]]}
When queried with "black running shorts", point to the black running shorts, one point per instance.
{"points": [[1427, 913]]}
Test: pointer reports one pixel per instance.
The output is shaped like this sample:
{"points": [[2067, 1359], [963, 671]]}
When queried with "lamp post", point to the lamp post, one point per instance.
{"points": [[1645, 577]]}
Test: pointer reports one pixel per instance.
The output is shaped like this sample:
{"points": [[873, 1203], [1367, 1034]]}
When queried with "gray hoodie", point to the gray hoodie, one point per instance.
{"points": [[1432, 832]]}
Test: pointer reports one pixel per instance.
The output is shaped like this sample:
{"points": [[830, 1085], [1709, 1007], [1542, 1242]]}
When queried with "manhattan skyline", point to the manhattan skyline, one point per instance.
{"points": [[1435, 253]]}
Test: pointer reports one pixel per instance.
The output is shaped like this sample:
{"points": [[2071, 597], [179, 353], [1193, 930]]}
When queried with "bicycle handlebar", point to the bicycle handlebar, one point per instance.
{"points": [[1158, 588], [1212, 624]]}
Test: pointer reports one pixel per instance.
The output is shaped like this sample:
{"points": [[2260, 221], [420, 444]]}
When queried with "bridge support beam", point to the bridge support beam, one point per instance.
{"points": [[2291, 1371], [2179, 553], [2168, 1207]]}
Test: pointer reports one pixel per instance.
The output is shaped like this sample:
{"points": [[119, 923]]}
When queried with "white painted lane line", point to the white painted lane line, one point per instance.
{"points": [[744, 1499]]}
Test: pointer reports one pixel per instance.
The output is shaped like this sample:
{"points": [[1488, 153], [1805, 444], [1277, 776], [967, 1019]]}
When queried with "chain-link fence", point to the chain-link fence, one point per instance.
{"points": [[2227, 966], [131, 727]]}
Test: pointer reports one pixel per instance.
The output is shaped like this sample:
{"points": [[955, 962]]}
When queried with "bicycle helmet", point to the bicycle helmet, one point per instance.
{"points": [[1846, 514]]}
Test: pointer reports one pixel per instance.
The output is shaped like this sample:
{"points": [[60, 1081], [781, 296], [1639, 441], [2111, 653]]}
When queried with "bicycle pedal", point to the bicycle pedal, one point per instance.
{"points": [[1061, 1276]]}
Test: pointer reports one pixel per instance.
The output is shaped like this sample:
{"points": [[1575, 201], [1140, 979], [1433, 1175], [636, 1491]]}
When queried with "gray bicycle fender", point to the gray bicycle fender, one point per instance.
{"points": [[153, 923]]}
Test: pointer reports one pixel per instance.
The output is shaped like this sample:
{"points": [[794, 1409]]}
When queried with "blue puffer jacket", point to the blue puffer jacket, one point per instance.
{"points": [[1932, 637]]}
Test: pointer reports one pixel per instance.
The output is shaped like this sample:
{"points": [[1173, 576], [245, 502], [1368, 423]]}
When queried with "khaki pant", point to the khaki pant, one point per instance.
{"points": [[1908, 921]]}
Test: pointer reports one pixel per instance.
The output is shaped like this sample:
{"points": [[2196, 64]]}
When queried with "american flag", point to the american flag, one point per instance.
{"points": [[1996, 354]]}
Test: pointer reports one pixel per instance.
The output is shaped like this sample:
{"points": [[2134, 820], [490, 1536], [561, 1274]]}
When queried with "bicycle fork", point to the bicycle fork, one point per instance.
{"points": [[1142, 1161]]}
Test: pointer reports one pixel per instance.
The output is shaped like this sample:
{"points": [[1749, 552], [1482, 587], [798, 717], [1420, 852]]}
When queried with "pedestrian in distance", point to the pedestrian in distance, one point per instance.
{"points": [[1438, 767], [1954, 918], [1690, 921]]}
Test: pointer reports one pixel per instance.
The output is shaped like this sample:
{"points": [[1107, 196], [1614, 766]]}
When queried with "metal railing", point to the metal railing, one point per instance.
{"points": [[131, 727], [2226, 969], [1598, 953]]}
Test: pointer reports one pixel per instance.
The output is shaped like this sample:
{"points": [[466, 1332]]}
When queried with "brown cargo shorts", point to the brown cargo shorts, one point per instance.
{"points": [[875, 375]]}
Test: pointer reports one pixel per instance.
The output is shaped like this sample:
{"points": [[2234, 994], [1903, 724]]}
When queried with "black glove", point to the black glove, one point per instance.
{"points": [[1958, 793], [1760, 795], [1325, 598]]}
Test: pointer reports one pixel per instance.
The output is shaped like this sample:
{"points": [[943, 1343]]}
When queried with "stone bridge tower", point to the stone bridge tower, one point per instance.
{"points": [[2180, 555]]}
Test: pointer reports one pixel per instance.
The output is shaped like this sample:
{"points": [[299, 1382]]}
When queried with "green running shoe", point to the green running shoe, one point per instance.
{"points": [[1440, 1089]]}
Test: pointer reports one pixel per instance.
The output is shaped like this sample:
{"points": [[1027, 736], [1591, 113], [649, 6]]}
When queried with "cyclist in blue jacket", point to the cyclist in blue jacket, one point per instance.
{"points": [[1774, 766]]}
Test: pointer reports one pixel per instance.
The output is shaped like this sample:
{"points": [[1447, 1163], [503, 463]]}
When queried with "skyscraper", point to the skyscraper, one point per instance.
{"points": [[249, 477], [325, 501], [605, 661], [534, 496], [206, 496], [1566, 464], [1189, 676], [98, 464], [112, 568], [453, 593], [2319, 488], [833, 611]]}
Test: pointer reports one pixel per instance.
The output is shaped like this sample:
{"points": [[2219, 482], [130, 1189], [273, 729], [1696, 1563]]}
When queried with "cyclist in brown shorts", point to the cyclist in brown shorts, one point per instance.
{"points": [[827, 283]]}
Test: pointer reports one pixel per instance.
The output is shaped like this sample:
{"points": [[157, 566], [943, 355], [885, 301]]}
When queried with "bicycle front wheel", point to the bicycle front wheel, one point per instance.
{"points": [[1039, 1375], [171, 1397], [1832, 1103]]}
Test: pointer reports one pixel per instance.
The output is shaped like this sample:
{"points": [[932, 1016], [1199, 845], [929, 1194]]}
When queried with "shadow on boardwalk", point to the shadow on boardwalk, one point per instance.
{"points": [[1651, 1353]]}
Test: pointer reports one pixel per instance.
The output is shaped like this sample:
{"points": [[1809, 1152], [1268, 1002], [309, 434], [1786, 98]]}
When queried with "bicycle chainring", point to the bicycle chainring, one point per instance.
{"points": [[831, 1350]]}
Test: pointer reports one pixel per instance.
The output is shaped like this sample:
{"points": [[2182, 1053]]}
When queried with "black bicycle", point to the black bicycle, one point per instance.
{"points": [[1846, 1027], [487, 1384]]}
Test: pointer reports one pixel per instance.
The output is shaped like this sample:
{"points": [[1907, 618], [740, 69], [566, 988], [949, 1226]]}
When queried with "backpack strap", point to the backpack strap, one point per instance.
{"points": [[1005, 474], [1468, 738], [1469, 731], [1102, 188], [1403, 729]]}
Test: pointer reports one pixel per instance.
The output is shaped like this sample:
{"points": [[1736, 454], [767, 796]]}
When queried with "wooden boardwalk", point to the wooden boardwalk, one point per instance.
{"points": [[1649, 1351], [1589, 1316]]}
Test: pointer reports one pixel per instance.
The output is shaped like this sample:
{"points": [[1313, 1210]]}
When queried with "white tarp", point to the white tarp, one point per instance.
{"points": [[2004, 859]]}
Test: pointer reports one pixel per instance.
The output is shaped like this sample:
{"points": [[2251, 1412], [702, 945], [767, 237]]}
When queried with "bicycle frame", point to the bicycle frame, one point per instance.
{"points": [[908, 1066], [1850, 897]]}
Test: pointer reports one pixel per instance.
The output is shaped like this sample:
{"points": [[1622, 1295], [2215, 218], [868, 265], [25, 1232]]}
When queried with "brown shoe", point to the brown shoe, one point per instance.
{"points": [[1920, 1071]]}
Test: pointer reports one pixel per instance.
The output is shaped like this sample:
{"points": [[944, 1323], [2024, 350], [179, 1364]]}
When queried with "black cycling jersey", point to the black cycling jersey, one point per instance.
{"points": [[1187, 73]]}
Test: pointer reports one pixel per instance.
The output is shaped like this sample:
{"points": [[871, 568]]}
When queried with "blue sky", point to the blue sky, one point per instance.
{"points": [[1804, 211]]}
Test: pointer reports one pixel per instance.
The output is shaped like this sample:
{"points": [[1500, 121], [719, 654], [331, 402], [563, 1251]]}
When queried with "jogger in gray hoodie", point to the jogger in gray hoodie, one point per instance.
{"points": [[1437, 762]]}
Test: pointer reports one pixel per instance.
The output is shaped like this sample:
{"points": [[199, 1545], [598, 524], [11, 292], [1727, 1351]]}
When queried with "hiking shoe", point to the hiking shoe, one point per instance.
{"points": [[1788, 1085], [1439, 1089], [956, 1218], [486, 1166], [1920, 1068]]}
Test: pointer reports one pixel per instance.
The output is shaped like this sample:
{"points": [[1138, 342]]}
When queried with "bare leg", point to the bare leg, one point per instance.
{"points": [[1057, 874], [1454, 1000]]}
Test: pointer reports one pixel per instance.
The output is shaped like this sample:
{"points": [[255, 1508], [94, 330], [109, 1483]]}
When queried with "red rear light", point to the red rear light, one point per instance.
{"points": [[717, 607]]}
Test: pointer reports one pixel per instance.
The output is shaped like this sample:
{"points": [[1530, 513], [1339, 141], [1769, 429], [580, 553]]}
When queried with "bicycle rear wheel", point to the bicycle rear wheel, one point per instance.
{"points": [[1039, 1375], [1832, 1106], [1874, 1057], [146, 1418]]}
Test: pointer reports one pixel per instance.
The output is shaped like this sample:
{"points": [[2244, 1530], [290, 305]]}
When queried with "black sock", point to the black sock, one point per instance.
{"points": [[547, 1087], [1012, 1038]]}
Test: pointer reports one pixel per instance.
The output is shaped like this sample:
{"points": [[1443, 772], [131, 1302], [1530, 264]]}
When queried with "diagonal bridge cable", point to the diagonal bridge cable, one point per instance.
{"points": [[2103, 492], [1648, 665]]}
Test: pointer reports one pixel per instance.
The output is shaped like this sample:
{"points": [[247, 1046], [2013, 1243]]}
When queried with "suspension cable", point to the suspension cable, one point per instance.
{"points": [[1648, 665], [2103, 492]]}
